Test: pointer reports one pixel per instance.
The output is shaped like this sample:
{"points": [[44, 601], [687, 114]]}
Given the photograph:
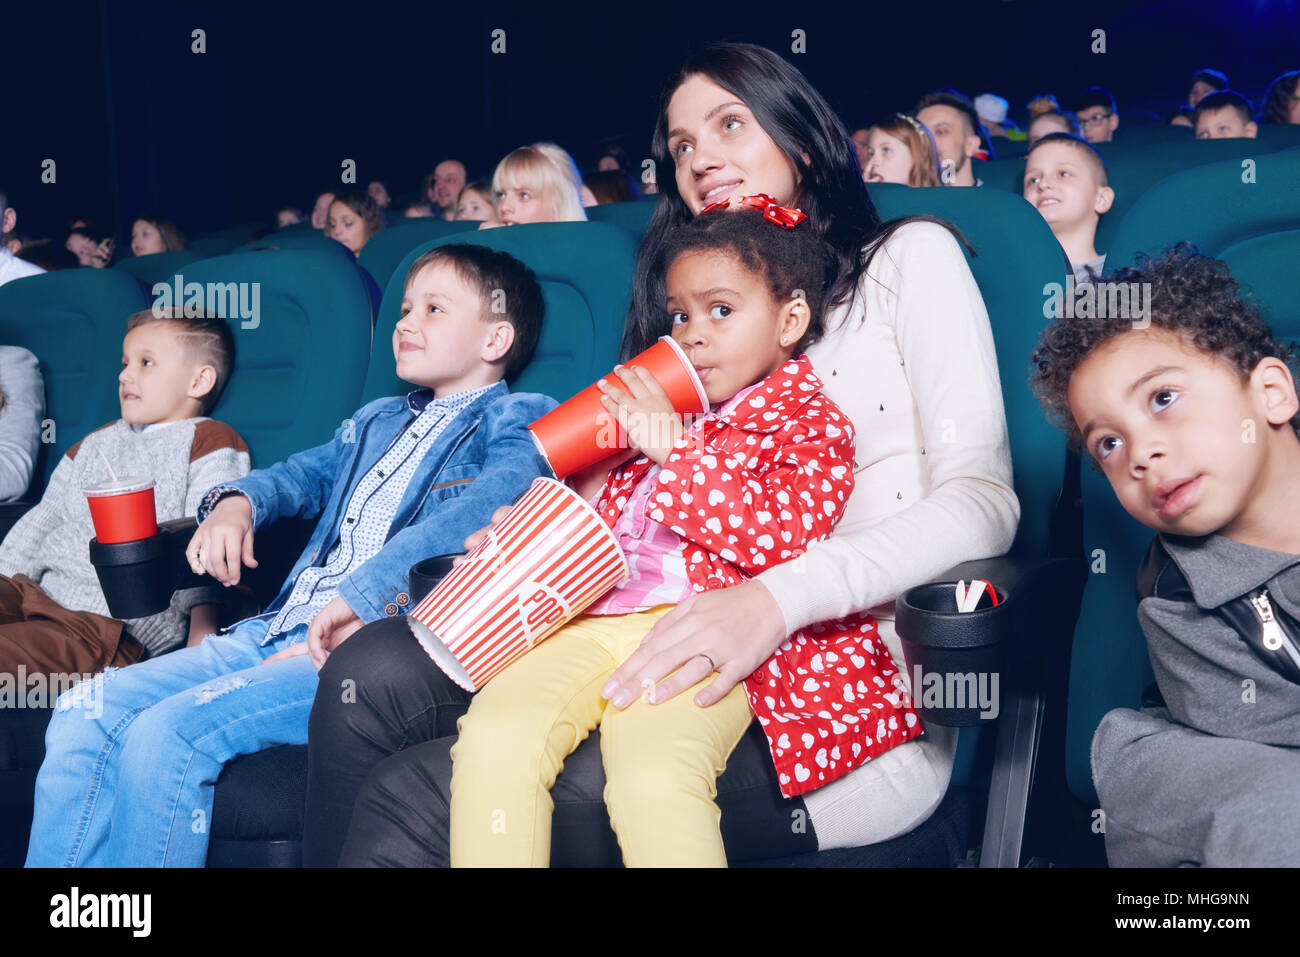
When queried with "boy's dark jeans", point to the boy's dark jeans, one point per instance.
{"points": [[379, 771]]}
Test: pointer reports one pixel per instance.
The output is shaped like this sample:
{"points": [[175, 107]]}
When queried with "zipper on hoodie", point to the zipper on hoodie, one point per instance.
{"points": [[1274, 637]]}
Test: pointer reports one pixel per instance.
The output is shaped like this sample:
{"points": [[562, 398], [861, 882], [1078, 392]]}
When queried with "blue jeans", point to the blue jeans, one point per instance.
{"points": [[158, 733]]}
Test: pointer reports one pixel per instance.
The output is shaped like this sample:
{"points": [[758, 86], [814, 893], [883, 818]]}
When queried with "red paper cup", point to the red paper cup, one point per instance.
{"points": [[122, 511], [539, 568], [578, 433]]}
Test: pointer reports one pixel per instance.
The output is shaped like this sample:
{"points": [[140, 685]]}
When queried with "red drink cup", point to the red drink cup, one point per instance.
{"points": [[122, 511], [539, 568], [580, 433]]}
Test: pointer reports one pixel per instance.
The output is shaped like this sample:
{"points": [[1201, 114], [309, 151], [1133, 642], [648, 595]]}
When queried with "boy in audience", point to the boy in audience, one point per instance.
{"points": [[11, 267], [1223, 115], [404, 478], [1193, 420], [1065, 179], [1098, 118], [957, 132], [1205, 82], [53, 615]]}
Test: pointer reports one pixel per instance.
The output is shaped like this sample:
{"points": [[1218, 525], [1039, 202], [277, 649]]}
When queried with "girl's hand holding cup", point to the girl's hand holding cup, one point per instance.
{"points": [[223, 541], [652, 425]]}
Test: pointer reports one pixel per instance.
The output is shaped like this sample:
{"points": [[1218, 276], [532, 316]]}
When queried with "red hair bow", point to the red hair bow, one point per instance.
{"points": [[783, 216]]}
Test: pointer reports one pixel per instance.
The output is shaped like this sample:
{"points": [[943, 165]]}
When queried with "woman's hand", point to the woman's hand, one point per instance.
{"points": [[652, 425], [223, 540], [737, 627], [332, 626]]}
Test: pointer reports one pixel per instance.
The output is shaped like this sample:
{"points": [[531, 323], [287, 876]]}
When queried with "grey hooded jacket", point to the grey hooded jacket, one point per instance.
{"points": [[1213, 777]]}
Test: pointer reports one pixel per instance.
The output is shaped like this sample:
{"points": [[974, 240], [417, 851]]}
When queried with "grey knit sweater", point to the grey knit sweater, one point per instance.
{"points": [[49, 543], [22, 406]]}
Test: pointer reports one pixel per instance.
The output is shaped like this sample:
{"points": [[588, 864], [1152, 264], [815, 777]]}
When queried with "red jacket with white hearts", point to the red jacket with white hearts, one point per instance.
{"points": [[752, 489]]}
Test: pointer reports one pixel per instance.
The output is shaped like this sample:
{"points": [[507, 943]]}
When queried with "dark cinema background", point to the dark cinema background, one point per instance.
{"points": [[285, 91]]}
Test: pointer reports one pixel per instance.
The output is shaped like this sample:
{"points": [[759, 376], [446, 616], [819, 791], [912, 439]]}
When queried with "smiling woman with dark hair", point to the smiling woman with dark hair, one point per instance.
{"points": [[908, 329]]}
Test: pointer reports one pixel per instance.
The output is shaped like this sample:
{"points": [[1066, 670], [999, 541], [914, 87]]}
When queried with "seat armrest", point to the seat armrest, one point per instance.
{"points": [[139, 578], [938, 637], [1026, 641]]}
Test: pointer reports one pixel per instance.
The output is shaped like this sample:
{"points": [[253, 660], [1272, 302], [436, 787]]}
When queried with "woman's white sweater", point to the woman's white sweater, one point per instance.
{"points": [[911, 360]]}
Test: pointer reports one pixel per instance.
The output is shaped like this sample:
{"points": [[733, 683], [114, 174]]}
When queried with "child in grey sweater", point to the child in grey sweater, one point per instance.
{"points": [[53, 615], [1195, 422], [22, 406]]}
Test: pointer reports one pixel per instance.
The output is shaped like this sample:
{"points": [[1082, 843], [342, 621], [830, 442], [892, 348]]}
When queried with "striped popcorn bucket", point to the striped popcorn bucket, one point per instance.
{"points": [[539, 568]]}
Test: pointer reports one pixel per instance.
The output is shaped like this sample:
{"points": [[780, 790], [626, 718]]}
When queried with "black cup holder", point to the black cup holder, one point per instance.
{"points": [[139, 577], [425, 575], [954, 659]]}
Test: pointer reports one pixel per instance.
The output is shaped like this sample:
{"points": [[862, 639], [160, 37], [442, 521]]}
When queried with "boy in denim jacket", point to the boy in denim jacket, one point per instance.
{"points": [[406, 478], [1194, 423]]}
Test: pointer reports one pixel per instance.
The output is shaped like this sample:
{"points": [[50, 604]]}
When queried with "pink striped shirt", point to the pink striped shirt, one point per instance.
{"points": [[655, 554]]}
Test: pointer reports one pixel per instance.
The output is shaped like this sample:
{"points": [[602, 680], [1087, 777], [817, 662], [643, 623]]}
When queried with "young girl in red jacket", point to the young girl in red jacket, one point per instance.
{"points": [[753, 483]]}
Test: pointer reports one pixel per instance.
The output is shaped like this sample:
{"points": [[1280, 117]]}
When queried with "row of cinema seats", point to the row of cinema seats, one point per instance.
{"points": [[1128, 134], [378, 258], [1136, 163], [1021, 788]]}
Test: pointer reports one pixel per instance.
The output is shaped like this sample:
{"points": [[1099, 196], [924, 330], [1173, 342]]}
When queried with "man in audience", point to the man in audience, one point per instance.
{"points": [[448, 181], [11, 267], [956, 127], [1098, 118], [1065, 180], [1205, 82], [1224, 114]]}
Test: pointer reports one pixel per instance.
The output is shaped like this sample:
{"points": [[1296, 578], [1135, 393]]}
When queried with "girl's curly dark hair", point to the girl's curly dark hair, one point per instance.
{"points": [[793, 262], [1192, 294]]}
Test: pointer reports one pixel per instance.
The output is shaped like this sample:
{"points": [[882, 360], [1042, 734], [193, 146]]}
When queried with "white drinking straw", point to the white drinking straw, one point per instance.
{"points": [[107, 466]]}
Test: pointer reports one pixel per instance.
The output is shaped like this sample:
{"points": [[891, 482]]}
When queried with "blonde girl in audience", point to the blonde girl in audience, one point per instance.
{"points": [[537, 184]]}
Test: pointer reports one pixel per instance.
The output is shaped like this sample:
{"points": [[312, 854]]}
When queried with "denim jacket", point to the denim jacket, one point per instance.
{"points": [[484, 459]]}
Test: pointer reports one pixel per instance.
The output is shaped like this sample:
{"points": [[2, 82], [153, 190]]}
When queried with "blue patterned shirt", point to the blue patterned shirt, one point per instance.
{"points": [[372, 507]]}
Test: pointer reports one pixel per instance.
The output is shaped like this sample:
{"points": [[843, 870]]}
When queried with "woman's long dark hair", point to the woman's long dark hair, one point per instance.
{"points": [[1277, 102], [799, 120]]}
